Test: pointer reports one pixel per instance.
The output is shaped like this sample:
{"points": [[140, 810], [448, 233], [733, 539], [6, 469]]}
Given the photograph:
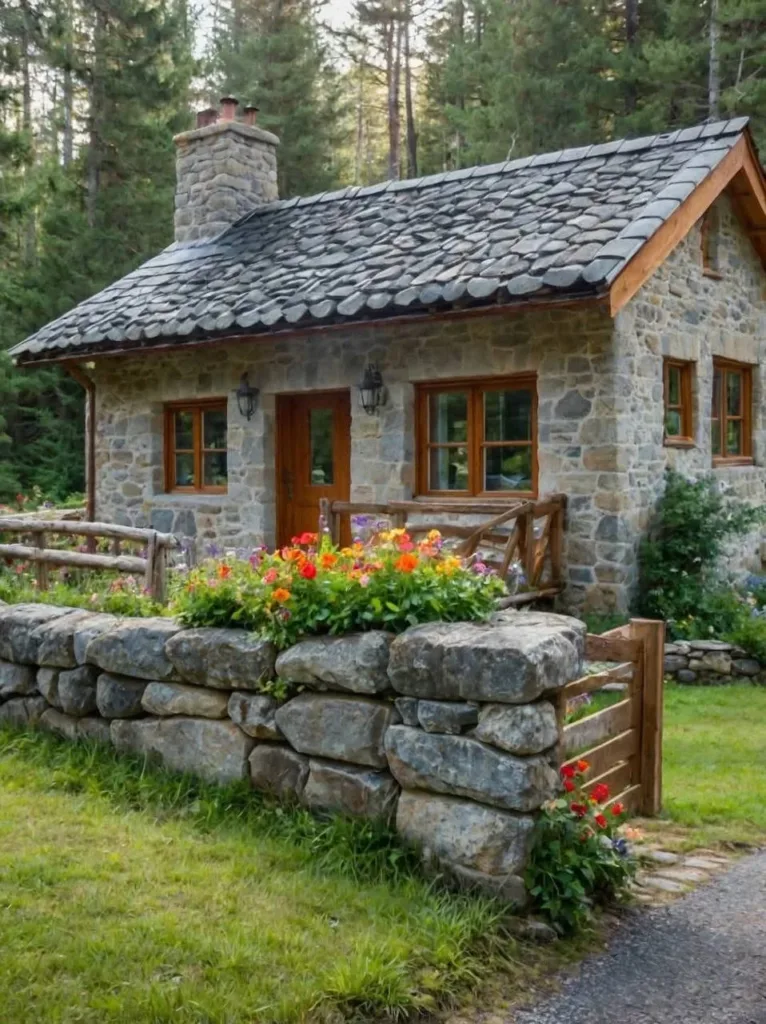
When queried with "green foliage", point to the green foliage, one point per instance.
{"points": [[98, 592], [749, 633], [679, 559], [302, 590], [578, 859]]}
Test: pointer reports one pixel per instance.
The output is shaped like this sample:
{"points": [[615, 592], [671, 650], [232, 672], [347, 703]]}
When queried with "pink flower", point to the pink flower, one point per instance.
{"points": [[364, 580]]}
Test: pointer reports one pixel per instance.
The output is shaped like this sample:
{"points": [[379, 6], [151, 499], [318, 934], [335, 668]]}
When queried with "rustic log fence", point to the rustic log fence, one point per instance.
{"points": [[622, 743], [152, 566], [528, 532]]}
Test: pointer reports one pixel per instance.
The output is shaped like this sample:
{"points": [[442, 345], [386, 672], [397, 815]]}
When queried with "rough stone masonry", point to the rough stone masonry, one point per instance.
{"points": [[448, 732]]}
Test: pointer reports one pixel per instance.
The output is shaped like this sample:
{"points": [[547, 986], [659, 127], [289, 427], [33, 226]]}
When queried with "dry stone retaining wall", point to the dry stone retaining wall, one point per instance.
{"points": [[711, 663], [447, 731]]}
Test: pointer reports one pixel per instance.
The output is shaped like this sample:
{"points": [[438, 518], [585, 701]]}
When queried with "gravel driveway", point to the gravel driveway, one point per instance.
{"points": [[700, 960]]}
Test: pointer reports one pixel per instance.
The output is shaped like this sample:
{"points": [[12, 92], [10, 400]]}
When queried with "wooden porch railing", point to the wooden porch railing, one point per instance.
{"points": [[152, 565], [622, 743], [528, 532]]}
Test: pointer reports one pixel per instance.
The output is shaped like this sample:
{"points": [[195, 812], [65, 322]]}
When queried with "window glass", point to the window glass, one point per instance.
{"points": [[184, 423], [185, 469], [321, 470], [196, 438], [214, 428], [448, 417], [508, 415], [673, 425], [448, 469], [733, 393], [507, 469], [674, 385], [214, 468]]}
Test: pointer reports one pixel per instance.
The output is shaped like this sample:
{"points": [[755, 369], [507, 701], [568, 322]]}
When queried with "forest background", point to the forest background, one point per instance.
{"points": [[92, 92]]}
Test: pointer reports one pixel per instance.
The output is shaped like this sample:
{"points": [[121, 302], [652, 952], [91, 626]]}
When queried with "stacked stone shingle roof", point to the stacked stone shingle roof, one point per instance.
{"points": [[563, 223]]}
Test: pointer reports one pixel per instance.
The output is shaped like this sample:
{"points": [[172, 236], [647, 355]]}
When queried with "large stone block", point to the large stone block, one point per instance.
{"points": [[254, 714], [19, 640], [519, 729], [278, 770], [77, 691], [88, 629], [22, 711], [342, 728], [48, 685], [509, 660], [17, 680], [215, 750], [463, 832], [56, 639], [357, 663], [224, 659], [446, 716], [136, 647], [462, 766], [182, 699], [72, 728], [119, 696], [357, 792]]}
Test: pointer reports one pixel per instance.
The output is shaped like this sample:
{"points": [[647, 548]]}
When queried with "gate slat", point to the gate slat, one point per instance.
{"points": [[598, 727], [588, 684], [603, 757], [619, 778]]}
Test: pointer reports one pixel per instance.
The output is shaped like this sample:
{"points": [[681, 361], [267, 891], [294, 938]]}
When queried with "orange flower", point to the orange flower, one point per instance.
{"points": [[292, 554], [224, 571], [281, 595], [583, 766], [270, 576], [406, 563], [328, 560]]}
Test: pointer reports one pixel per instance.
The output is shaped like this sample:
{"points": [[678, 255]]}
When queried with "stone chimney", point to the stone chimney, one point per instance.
{"points": [[224, 169]]}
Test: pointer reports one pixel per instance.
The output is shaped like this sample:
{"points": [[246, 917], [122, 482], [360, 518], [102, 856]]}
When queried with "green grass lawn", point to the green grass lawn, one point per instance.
{"points": [[129, 895], [714, 763]]}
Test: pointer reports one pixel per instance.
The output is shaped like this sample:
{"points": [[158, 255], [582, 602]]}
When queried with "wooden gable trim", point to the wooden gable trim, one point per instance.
{"points": [[740, 173]]}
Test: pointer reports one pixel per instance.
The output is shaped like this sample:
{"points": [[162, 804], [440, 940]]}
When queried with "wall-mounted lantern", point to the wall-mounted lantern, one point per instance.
{"points": [[246, 396], [372, 393]]}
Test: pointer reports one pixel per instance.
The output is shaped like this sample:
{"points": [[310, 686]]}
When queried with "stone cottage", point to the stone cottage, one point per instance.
{"points": [[570, 322]]}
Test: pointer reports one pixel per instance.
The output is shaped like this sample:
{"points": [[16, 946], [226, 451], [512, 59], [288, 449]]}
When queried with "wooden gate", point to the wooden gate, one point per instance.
{"points": [[622, 743]]}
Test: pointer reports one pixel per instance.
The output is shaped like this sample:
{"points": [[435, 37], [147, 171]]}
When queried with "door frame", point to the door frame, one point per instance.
{"points": [[284, 441]]}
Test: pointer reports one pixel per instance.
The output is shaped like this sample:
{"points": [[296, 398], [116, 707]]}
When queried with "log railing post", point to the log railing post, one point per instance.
{"points": [[41, 568], [160, 573], [652, 634], [151, 554]]}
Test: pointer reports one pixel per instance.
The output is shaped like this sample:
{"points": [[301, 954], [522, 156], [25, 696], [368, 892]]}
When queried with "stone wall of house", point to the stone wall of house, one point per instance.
{"points": [[569, 349], [448, 731], [683, 314]]}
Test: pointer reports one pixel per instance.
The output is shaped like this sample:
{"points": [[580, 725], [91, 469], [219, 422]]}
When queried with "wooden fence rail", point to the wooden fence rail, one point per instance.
{"points": [[528, 532], [622, 743], [151, 565]]}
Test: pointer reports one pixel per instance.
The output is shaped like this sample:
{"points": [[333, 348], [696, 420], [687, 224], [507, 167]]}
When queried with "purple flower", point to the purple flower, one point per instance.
{"points": [[620, 846], [213, 551]]}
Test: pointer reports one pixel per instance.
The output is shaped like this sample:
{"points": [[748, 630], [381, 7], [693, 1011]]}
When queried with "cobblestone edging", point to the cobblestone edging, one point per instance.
{"points": [[448, 731], [711, 663]]}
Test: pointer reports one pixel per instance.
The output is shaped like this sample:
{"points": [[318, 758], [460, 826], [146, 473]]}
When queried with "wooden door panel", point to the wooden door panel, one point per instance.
{"points": [[313, 458]]}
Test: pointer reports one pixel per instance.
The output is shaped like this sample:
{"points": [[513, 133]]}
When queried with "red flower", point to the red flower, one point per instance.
{"points": [[600, 793], [600, 820], [568, 771], [569, 786], [270, 576], [579, 809], [618, 809], [309, 571], [224, 571]]}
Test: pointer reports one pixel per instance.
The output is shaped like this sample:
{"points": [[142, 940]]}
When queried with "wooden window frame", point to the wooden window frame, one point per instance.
{"points": [[475, 387], [709, 239], [196, 407], [726, 367], [686, 438]]}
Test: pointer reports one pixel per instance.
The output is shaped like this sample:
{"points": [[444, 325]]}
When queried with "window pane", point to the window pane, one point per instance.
{"points": [[448, 470], [448, 416], [214, 428], [734, 393], [508, 469], [507, 415], [185, 470], [673, 423], [716, 437], [320, 447], [214, 468], [674, 386], [184, 427], [734, 437], [716, 393]]}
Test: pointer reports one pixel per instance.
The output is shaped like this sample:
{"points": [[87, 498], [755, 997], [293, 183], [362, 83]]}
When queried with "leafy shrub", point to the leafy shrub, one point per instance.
{"points": [[750, 634], [98, 592], [312, 588], [686, 539], [578, 858]]}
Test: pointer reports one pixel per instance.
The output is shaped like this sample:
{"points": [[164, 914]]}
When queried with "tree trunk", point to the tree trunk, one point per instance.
{"points": [[631, 41], [96, 118], [29, 230], [67, 140], [714, 72], [412, 137], [393, 77]]}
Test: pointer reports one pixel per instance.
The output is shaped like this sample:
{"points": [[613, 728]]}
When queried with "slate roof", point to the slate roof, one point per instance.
{"points": [[562, 223]]}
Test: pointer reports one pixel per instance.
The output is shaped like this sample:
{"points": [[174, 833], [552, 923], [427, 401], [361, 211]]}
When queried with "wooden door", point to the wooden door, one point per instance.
{"points": [[313, 458]]}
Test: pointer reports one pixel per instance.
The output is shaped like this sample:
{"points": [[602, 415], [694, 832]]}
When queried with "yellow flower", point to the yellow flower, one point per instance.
{"points": [[433, 535], [448, 566], [281, 595]]}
